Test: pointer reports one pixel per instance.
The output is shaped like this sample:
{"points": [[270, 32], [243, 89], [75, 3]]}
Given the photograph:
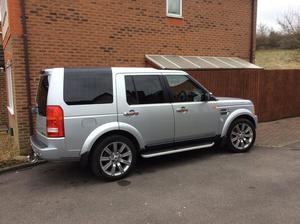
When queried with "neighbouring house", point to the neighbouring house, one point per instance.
{"points": [[64, 33]]}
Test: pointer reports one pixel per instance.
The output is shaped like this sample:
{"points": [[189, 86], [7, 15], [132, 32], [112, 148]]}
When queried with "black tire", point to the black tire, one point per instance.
{"points": [[231, 147], [101, 148]]}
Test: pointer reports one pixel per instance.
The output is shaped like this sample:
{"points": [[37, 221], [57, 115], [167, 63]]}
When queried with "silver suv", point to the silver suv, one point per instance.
{"points": [[108, 117]]}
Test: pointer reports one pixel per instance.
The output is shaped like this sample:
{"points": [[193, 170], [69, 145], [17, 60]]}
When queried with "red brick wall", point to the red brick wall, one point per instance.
{"points": [[13, 53], [20, 117], [118, 33], [3, 100]]}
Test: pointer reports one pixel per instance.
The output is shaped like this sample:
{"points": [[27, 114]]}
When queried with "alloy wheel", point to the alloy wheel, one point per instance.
{"points": [[116, 159], [241, 136]]}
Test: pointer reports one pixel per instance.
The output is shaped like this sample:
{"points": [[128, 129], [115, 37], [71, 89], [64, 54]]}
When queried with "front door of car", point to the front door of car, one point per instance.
{"points": [[195, 118], [143, 103]]}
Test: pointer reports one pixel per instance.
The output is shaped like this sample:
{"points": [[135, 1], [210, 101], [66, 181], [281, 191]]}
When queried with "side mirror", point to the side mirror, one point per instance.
{"points": [[207, 96]]}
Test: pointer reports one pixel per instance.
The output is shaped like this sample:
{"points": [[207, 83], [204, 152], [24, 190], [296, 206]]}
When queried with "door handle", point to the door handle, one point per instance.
{"points": [[131, 113], [182, 110]]}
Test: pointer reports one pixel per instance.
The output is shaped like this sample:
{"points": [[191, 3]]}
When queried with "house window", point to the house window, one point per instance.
{"points": [[10, 90], [174, 8], [4, 16]]}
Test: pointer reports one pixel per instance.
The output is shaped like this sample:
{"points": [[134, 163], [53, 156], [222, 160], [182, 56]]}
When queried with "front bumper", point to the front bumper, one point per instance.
{"points": [[43, 151], [256, 120]]}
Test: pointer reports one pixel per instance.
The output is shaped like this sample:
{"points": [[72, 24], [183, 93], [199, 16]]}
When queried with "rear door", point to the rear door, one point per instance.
{"points": [[144, 104], [194, 118]]}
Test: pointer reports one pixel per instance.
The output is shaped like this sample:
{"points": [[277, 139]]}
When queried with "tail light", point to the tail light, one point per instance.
{"points": [[55, 122]]}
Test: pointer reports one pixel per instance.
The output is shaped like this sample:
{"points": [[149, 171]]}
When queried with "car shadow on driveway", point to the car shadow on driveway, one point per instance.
{"points": [[70, 174], [152, 165]]}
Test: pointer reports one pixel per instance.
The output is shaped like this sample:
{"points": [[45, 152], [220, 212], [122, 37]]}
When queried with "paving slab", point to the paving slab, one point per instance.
{"points": [[278, 133]]}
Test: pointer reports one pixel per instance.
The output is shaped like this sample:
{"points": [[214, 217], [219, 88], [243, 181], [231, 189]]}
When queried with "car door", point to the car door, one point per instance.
{"points": [[195, 118], [144, 104]]}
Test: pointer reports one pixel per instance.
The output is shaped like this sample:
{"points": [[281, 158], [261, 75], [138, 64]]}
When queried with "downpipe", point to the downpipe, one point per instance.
{"points": [[26, 61]]}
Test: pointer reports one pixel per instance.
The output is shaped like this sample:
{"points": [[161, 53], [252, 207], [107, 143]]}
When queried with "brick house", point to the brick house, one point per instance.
{"points": [[51, 33]]}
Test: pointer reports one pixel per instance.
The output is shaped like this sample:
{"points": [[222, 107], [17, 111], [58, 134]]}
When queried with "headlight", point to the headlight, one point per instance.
{"points": [[253, 109]]}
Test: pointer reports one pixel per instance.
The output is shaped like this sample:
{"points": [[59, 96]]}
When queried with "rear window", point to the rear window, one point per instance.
{"points": [[42, 95], [88, 86]]}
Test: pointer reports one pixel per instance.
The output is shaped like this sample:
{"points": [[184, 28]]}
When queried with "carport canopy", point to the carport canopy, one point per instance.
{"points": [[198, 62]]}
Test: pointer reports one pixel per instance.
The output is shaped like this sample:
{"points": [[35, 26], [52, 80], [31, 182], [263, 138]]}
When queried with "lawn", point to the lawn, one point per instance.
{"points": [[278, 59]]}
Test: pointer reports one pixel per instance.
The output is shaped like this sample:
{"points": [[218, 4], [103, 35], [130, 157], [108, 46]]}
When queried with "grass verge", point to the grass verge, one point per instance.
{"points": [[278, 59]]}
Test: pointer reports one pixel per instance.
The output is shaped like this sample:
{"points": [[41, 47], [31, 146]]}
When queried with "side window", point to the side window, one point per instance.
{"points": [[88, 86], [130, 91], [184, 90], [144, 89]]}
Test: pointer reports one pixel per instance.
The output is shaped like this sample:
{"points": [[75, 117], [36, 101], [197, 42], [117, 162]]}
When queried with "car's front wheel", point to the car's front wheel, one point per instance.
{"points": [[241, 135], [113, 158]]}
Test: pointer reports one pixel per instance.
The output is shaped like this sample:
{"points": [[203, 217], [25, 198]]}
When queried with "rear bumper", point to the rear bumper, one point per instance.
{"points": [[43, 151]]}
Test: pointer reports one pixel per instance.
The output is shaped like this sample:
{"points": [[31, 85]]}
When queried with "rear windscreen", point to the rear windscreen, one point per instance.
{"points": [[42, 95], [88, 86]]}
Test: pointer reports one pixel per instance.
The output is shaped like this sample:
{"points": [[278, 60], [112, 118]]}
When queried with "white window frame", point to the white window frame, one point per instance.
{"points": [[10, 96], [173, 14], [4, 17]]}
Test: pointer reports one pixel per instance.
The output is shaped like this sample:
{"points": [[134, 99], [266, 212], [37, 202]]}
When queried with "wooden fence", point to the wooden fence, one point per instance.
{"points": [[275, 93]]}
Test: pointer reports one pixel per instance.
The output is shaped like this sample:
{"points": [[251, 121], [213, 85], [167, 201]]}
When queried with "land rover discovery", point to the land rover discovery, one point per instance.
{"points": [[109, 117]]}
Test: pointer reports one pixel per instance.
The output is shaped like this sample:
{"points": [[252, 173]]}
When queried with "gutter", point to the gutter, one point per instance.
{"points": [[27, 68], [253, 29]]}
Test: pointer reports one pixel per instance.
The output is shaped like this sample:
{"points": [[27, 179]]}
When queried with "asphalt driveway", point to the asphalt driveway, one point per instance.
{"points": [[208, 186]]}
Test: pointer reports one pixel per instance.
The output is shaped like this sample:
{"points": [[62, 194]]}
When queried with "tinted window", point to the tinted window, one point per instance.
{"points": [[184, 90], [148, 89], [88, 86], [42, 95], [130, 91]]}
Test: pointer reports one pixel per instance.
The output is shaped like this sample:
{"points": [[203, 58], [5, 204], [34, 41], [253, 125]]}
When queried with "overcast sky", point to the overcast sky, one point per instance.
{"points": [[270, 10]]}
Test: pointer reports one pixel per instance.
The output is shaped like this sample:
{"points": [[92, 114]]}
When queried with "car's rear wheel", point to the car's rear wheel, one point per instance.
{"points": [[241, 135], [113, 158]]}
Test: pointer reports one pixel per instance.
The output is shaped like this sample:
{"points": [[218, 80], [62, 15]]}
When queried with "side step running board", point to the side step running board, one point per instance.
{"points": [[168, 152]]}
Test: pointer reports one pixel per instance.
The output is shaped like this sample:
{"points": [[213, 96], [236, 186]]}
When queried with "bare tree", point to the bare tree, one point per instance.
{"points": [[263, 30], [290, 21], [262, 36], [290, 27]]}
